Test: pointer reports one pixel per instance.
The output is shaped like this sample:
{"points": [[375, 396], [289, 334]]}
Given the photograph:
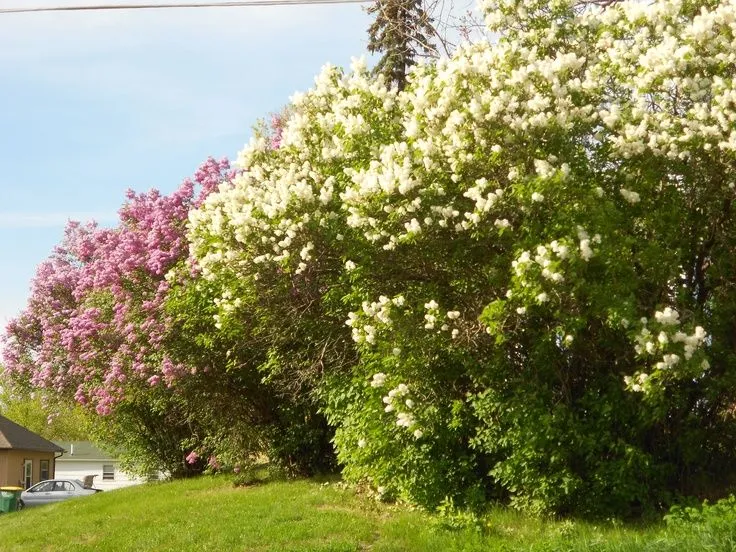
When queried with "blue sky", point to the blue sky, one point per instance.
{"points": [[94, 103]]}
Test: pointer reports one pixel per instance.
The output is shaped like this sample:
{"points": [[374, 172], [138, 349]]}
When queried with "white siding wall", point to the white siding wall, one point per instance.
{"points": [[77, 469]]}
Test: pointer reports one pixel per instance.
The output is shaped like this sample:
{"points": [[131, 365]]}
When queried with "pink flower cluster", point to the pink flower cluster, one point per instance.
{"points": [[94, 325], [277, 130]]}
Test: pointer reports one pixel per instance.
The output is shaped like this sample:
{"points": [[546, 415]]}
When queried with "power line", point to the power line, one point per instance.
{"points": [[243, 3]]}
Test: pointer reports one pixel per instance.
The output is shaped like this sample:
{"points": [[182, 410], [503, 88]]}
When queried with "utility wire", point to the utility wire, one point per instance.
{"points": [[243, 3]]}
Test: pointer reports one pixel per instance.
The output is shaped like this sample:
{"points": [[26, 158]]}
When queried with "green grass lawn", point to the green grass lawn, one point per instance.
{"points": [[209, 513]]}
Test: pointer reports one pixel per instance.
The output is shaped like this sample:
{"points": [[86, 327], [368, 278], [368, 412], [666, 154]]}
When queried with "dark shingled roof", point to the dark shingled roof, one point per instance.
{"points": [[14, 436]]}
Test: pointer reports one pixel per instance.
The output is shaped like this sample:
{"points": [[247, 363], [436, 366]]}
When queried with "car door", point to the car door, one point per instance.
{"points": [[61, 491], [41, 493]]}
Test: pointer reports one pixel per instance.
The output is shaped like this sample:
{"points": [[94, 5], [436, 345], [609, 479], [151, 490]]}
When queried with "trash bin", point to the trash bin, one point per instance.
{"points": [[10, 499]]}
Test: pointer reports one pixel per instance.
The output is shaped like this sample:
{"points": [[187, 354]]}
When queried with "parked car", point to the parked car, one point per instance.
{"points": [[54, 490]]}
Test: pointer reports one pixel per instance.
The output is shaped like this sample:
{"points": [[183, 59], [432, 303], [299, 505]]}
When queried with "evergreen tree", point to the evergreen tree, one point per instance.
{"points": [[401, 32]]}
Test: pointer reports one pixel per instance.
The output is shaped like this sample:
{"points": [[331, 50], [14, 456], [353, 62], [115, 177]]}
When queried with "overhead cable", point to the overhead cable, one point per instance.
{"points": [[243, 3]]}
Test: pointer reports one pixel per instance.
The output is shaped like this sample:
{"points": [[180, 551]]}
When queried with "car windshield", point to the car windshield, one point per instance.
{"points": [[42, 487]]}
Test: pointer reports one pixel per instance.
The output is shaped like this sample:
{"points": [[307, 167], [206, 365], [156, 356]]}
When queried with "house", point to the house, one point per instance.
{"points": [[25, 457], [83, 459]]}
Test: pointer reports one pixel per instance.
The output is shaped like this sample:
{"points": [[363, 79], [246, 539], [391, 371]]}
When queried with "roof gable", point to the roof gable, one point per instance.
{"points": [[83, 450], [14, 436]]}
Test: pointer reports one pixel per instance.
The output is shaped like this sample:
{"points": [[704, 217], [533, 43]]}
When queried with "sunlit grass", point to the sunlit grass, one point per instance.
{"points": [[210, 513]]}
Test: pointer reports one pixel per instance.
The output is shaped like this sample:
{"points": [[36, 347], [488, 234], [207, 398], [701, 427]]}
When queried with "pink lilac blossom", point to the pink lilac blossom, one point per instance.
{"points": [[94, 323], [277, 130]]}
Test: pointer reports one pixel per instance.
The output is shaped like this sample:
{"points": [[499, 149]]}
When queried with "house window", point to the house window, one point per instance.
{"points": [[44, 470], [108, 472]]}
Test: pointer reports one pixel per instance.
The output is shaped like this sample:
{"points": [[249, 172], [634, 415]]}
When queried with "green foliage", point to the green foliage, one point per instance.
{"points": [[43, 414], [512, 279], [242, 370], [713, 525], [719, 515], [424, 460], [149, 435]]}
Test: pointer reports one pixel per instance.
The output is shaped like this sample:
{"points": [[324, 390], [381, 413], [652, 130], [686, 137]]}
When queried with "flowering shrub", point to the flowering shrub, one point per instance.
{"points": [[514, 279], [466, 272], [96, 329]]}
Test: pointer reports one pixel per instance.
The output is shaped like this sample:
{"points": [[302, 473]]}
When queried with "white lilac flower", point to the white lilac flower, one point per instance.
{"points": [[667, 317], [628, 195], [585, 251], [404, 419], [378, 379]]}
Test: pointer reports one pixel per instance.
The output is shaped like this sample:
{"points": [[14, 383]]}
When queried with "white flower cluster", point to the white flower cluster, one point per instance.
{"points": [[397, 400], [546, 259], [653, 49], [665, 344], [261, 216], [547, 262], [586, 252], [667, 317], [667, 100], [628, 195], [433, 316], [458, 155], [484, 201], [378, 380], [227, 305], [638, 383], [430, 318], [373, 315]]}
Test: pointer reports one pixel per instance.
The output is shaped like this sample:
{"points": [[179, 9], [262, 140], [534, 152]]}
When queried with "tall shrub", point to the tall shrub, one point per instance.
{"points": [[514, 278]]}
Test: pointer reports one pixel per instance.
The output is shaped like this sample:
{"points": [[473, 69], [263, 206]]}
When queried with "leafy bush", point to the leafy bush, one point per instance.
{"points": [[513, 279], [528, 248]]}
